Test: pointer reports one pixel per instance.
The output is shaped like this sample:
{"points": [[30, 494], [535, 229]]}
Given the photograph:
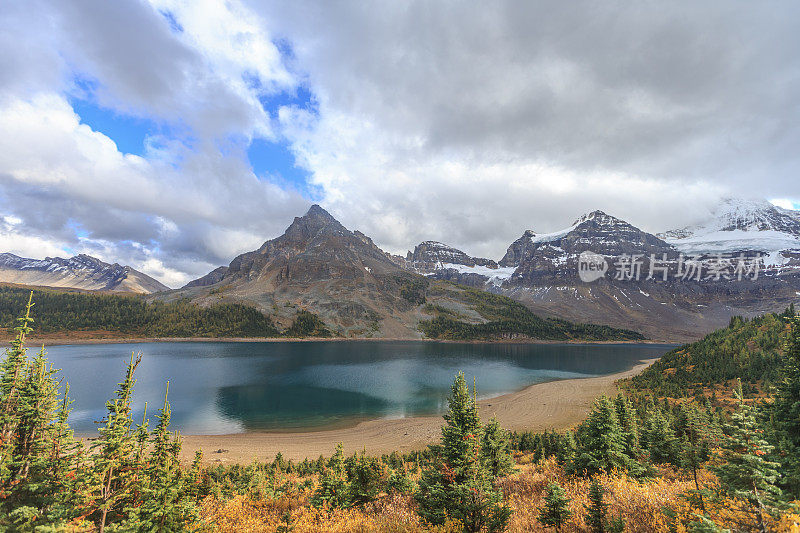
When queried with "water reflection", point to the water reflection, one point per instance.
{"points": [[230, 387]]}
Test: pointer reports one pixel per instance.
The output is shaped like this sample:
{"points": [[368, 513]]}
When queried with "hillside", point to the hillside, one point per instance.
{"points": [[358, 290], [115, 315], [448, 311], [749, 350], [78, 272]]}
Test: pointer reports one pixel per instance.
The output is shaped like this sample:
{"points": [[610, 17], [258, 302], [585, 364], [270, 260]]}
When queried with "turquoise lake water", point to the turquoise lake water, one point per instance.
{"points": [[226, 387]]}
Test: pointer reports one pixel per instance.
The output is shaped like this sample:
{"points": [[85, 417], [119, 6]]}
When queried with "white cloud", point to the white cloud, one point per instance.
{"points": [[63, 173], [469, 123], [460, 122]]}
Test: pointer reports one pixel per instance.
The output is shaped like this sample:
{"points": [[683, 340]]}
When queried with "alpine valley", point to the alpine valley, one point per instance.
{"points": [[355, 289]]}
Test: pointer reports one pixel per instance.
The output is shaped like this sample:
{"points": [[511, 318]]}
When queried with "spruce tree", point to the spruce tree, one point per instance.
{"points": [[626, 415], [601, 442], [334, 489], [13, 365], [555, 511], [458, 483], [166, 506], [745, 472], [662, 444], [496, 449], [786, 413], [597, 509], [697, 433], [39, 454], [113, 453]]}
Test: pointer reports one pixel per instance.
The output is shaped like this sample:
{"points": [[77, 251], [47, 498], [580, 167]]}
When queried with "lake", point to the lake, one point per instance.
{"points": [[228, 387]]}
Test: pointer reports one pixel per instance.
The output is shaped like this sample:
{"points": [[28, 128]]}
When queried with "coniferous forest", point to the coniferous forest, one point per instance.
{"points": [[662, 456]]}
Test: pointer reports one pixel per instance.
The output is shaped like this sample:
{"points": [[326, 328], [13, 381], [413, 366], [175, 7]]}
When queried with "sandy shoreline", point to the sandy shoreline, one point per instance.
{"points": [[60, 341], [551, 405]]}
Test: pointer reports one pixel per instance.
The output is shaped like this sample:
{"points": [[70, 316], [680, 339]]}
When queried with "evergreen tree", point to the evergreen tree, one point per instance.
{"points": [[703, 524], [555, 511], [745, 473], [697, 433], [13, 366], [626, 415], [597, 509], [39, 454], [786, 412], [458, 484], [113, 452], [566, 448], [165, 506], [601, 442], [662, 444], [366, 477], [334, 489], [496, 449]]}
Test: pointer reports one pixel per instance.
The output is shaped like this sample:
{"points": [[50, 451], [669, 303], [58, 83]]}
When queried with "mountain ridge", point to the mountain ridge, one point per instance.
{"points": [[78, 272]]}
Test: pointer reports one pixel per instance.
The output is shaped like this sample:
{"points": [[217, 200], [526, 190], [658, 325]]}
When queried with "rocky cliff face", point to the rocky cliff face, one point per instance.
{"points": [[78, 272], [554, 256], [320, 266]]}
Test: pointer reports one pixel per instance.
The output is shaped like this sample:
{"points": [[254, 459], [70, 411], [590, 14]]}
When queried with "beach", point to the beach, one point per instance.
{"points": [[556, 405]]}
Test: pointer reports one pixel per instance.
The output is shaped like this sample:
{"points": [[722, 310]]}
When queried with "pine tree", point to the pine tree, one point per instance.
{"points": [[703, 524], [555, 511], [11, 370], [496, 449], [458, 484], [662, 444], [366, 477], [566, 448], [597, 509], [39, 453], [745, 473], [786, 412], [697, 432]]}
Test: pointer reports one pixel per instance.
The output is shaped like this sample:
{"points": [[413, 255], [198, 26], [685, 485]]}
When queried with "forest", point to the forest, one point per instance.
{"points": [[641, 461], [508, 319]]}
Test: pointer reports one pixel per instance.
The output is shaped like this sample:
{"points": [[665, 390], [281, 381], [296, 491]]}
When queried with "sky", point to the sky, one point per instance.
{"points": [[173, 135]]}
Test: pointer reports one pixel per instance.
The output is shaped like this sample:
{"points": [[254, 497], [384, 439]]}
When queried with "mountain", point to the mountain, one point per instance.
{"points": [[554, 256], [541, 271], [358, 290], [738, 225], [320, 266], [446, 262], [78, 272]]}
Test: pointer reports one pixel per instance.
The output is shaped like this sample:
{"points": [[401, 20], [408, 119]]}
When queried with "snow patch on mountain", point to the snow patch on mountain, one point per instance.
{"points": [[741, 225]]}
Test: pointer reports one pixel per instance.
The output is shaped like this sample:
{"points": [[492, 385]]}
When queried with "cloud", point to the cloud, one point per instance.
{"points": [[61, 178], [467, 123], [461, 122]]}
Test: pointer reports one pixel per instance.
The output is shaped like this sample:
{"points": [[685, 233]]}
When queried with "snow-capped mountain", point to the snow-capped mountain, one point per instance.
{"points": [[445, 262], [738, 225], [541, 270], [78, 272], [556, 254]]}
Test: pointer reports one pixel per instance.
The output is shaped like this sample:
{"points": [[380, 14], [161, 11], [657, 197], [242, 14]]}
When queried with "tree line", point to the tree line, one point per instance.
{"points": [[508, 319]]}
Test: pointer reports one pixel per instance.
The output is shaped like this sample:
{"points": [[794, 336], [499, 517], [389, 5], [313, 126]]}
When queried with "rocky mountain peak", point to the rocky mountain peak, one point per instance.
{"points": [[315, 221], [597, 216], [432, 255]]}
